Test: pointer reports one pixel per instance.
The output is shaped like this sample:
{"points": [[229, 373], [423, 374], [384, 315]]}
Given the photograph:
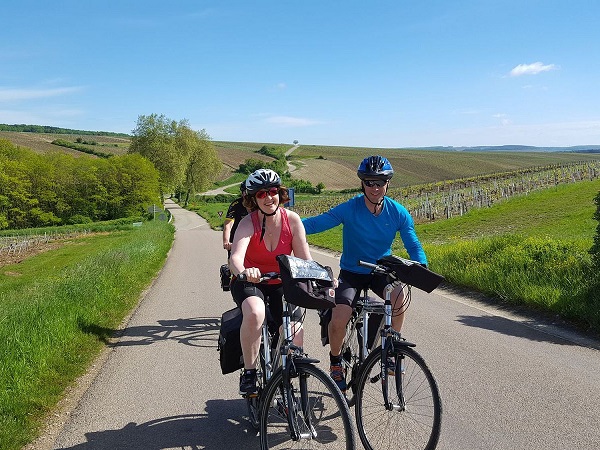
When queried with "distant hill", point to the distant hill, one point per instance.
{"points": [[335, 166], [22, 128], [517, 148]]}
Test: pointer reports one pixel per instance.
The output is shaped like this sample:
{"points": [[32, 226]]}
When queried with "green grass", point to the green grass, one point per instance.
{"points": [[210, 212], [563, 212], [56, 312]]}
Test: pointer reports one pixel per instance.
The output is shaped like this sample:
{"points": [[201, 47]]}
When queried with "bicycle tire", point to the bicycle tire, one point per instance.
{"points": [[418, 426], [323, 418]]}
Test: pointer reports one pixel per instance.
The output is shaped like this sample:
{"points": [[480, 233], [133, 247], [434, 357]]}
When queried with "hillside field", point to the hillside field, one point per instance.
{"points": [[333, 166]]}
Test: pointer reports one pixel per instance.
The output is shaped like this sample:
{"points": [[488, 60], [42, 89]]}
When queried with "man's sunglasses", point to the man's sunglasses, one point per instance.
{"points": [[271, 192], [378, 183]]}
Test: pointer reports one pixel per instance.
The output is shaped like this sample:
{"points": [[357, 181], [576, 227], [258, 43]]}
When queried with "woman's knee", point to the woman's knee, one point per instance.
{"points": [[253, 310]]}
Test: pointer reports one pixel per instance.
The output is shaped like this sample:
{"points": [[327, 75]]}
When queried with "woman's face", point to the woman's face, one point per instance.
{"points": [[268, 199]]}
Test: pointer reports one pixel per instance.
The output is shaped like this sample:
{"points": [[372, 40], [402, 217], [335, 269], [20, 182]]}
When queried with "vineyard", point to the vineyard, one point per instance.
{"points": [[14, 249], [445, 199]]}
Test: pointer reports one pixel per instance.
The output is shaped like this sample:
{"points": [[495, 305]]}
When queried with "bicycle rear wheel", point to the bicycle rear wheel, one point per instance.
{"points": [[316, 405], [415, 420]]}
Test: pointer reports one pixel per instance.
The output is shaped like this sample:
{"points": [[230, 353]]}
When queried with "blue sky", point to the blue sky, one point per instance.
{"points": [[397, 73]]}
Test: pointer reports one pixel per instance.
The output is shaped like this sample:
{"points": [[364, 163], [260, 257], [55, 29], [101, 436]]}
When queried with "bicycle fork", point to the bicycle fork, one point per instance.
{"points": [[294, 406], [390, 341]]}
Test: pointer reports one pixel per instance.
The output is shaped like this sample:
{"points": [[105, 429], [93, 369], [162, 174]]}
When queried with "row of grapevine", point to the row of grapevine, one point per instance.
{"points": [[447, 199], [15, 245]]}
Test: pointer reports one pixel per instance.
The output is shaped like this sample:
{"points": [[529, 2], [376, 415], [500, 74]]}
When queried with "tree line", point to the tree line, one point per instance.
{"points": [[22, 128], [38, 190]]}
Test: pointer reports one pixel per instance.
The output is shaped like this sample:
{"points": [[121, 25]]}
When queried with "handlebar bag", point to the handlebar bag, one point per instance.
{"points": [[307, 284], [229, 347], [411, 272]]}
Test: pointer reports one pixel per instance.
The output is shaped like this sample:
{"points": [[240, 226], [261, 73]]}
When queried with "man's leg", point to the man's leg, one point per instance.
{"points": [[398, 307]]}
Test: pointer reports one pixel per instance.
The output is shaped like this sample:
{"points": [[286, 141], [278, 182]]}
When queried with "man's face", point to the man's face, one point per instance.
{"points": [[375, 189]]}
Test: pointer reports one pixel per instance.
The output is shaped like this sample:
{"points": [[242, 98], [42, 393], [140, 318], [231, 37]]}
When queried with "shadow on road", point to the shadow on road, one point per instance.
{"points": [[223, 426], [528, 329], [197, 332]]}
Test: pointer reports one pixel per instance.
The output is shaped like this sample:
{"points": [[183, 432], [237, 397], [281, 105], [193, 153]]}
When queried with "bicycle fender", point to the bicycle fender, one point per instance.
{"points": [[404, 343], [307, 360]]}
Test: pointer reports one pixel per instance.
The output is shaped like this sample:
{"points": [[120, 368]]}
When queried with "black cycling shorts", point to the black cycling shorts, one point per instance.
{"points": [[241, 290], [351, 285]]}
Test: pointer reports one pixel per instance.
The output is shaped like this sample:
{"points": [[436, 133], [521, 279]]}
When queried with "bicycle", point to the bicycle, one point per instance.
{"points": [[394, 393], [298, 405]]}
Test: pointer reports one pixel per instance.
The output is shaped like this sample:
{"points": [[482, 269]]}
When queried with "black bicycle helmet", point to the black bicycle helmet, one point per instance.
{"points": [[375, 167], [262, 179], [243, 187]]}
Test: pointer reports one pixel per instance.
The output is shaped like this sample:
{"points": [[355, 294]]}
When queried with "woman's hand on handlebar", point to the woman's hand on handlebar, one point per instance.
{"points": [[251, 274]]}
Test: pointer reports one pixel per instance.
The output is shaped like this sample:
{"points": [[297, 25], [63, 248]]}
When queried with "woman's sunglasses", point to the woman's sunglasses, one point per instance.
{"points": [[271, 192], [378, 183]]}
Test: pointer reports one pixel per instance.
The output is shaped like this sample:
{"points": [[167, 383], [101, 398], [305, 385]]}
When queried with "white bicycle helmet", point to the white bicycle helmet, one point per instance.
{"points": [[262, 179]]}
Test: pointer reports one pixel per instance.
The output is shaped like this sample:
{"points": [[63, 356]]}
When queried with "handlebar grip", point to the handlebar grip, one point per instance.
{"points": [[367, 264], [265, 276]]}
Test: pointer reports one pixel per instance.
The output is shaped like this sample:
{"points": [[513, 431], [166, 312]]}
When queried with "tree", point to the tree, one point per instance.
{"points": [[203, 162], [184, 158], [155, 138], [296, 142]]}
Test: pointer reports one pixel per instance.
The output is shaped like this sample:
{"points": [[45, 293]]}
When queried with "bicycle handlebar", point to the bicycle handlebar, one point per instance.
{"points": [[264, 277], [408, 271]]}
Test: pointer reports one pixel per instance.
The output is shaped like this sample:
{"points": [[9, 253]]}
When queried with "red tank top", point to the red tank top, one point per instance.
{"points": [[257, 254]]}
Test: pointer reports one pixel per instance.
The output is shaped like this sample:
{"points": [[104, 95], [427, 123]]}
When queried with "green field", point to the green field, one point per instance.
{"points": [[59, 309]]}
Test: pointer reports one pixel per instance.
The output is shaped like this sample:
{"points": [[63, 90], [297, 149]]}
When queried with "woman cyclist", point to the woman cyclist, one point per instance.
{"points": [[370, 223], [269, 230]]}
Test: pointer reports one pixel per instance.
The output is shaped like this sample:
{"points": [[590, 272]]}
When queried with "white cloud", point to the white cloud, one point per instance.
{"points": [[291, 121], [504, 119], [531, 69], [10, 94]]}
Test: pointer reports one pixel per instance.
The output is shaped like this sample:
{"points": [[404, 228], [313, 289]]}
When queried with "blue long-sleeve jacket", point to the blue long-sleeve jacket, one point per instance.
{"points": [[367, 237]]}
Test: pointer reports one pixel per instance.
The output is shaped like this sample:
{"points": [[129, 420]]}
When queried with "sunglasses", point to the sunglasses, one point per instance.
{"points": [[271, 193], [378, 183]]}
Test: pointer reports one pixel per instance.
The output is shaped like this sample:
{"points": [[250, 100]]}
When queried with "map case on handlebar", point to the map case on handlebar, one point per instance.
{"points": [[306, 283], [412, 273]]}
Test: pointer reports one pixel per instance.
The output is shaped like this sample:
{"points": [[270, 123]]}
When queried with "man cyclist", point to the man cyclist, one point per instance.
{"points": [[370, 223], [236, 212]]}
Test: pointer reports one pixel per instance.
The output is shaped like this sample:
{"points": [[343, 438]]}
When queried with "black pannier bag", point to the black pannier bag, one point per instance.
{"points": [[306, 283], [225, 277], [229, 347], [412, 273]]}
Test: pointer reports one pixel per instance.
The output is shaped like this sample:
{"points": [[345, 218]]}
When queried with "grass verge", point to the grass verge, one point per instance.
{"points": [[56, 312]]}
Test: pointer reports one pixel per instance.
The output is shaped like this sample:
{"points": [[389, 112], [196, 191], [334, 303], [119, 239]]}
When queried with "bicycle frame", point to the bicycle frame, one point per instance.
{"points": [[389, 338]]}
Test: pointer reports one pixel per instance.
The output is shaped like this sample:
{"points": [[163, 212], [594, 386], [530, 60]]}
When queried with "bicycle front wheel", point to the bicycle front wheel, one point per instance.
{"points": [[312, 404], [413, 419]]}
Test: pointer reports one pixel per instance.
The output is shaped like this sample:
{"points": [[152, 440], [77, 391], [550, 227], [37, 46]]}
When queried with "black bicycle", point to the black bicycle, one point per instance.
{"points": [[396, 398], [298, 405]]}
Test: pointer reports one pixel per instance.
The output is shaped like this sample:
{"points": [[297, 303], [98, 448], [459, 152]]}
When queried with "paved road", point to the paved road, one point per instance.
{"points": [[507, 382]]}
